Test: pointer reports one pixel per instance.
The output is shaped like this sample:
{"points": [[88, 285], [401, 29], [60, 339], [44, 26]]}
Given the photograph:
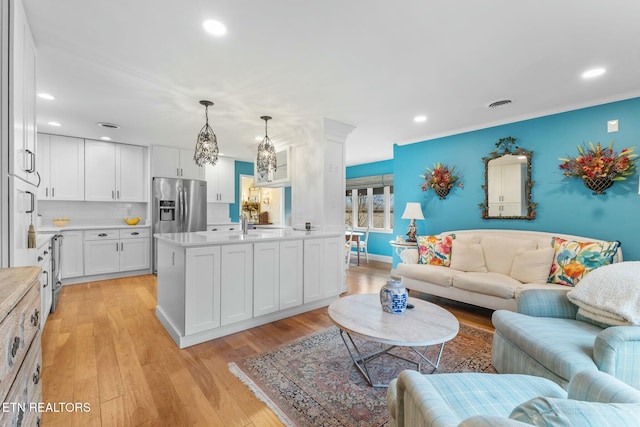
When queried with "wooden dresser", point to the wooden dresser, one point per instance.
{"points": [[20, 353]]}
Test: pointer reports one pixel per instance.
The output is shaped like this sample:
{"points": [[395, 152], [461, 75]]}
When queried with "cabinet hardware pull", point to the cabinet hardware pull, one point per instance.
{"points": [[173, 258], [116, 246], [46, 191], [181, 172], [102, 235], [33, 202], [121, 246], [35, 317], [177, 171], [118, 194], [15, 346], [113, 194], [32, 167], [135, 233], [46, 284], [46, 252], [53, 192], [40, 258], [36, 375]]}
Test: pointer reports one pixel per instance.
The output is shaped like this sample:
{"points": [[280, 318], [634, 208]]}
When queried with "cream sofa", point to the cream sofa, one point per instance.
{"points": [[494, 284]]}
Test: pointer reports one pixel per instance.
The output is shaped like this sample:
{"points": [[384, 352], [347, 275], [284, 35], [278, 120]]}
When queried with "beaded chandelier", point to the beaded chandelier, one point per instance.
{"points": [[207, 143], [266, 163]]}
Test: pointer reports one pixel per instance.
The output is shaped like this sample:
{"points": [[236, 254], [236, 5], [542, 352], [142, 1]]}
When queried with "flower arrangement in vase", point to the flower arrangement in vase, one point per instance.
{"points": [[599, 167], [441, 178]]}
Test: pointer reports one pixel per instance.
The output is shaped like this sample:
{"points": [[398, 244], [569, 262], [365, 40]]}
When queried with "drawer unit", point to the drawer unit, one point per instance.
{"points": [[126, 233], [101, 234], [20, 348]]}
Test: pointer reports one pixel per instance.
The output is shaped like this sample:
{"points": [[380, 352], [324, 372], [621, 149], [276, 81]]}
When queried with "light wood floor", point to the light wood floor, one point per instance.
{"points": [[104, 346]]}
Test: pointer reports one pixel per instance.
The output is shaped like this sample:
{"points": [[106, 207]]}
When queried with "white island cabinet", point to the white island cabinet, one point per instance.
{"points": [[212, 284]]}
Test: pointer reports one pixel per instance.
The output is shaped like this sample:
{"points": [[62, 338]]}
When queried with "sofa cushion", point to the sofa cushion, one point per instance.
{"points": [[532, 265], [435, 250], [494, 284], [499, 252], [542, 411], [467, 257], [427, 273], [573, 259], [563, 346]]}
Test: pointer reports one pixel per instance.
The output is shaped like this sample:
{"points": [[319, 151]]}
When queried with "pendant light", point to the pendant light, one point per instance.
{"points": [[207, 143], [266, 161]]}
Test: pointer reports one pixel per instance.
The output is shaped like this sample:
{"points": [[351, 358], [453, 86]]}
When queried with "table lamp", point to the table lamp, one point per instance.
{"points": [[412, 211]]}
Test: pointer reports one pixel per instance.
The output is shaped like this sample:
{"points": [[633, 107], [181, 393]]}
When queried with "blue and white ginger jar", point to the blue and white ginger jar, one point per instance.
{"points": [[393, 297]]}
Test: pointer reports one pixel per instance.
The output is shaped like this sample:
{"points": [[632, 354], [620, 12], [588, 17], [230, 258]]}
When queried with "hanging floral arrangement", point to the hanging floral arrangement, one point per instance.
{"points": [[599, 167], [441, 178]]}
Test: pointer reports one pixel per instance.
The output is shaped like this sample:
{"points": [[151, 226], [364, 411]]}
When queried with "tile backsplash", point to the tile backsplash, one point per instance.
{"points": [[92, 213]]}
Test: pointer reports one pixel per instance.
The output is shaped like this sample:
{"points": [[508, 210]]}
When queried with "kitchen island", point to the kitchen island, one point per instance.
{"points": [[212, 284]]}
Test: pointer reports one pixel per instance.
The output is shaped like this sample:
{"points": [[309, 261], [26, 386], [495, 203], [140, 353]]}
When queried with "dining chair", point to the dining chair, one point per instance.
{"points": [[347, 245], [361, 245]]}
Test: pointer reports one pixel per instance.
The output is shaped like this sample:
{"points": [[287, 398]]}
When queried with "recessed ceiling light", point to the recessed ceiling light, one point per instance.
{"points": [[46, 96], [420, 119], [594, 72], [215, 28], [105, 138], [108, 125], [54, 124]]}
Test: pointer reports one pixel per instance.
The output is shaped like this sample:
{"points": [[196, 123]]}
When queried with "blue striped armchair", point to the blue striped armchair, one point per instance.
{"points": [[592, 399], [547, 338]]}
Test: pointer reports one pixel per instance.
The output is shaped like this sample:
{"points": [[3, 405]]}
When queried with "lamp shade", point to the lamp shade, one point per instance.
{"points": [[413, 211]]}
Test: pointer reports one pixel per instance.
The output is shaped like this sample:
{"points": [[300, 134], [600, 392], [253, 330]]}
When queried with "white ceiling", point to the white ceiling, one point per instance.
{"points": [[373, 64]]}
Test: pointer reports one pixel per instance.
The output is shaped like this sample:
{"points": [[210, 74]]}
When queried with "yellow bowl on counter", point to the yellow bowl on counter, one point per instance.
{"points": [[60, 222], [132, 221]]}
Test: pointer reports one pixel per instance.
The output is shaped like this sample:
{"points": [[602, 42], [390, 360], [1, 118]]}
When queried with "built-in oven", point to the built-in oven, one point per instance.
{"points": [[56, 265]]}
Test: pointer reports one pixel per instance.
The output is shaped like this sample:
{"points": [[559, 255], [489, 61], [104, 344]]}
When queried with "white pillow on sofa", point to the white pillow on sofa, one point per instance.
{"points": [[467, 257], [533, 265]]}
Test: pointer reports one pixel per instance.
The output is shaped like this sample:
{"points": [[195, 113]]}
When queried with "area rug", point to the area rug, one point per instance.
{"points": [[313, 381]]}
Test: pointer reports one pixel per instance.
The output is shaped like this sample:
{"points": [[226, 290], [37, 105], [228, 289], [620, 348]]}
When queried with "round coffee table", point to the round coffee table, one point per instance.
{"points": [[422, 326]]}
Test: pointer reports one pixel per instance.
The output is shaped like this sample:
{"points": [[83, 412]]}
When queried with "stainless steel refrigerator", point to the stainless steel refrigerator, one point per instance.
{"points": [[179, 206]]}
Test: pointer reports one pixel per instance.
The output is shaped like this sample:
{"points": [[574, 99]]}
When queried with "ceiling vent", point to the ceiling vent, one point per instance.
{"points": [[108, 125], [500, 103]]}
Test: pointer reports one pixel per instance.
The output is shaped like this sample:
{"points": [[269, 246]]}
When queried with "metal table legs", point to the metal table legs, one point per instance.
{"points": [[361, 361]]}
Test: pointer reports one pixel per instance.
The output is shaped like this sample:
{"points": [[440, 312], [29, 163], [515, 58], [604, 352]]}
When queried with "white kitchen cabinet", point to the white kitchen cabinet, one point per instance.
{"points": [[22, 109], [221, 181], [101, 252], [313, 267], [112, 250], [135, 249], [171, 162], [506, 194], [236, 275], [282, 175], [114, 172], [202, 290], [323, 268], [72, 254], [61, 167], [266, 278], [291, 273], [46, 285]]}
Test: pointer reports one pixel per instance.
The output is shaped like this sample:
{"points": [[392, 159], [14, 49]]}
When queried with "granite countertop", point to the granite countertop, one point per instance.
{"points": [[207, 238]]}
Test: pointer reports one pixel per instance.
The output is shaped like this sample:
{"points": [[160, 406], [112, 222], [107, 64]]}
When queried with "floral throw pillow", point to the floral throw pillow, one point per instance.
{"points": [[573, 260], [435, 250]]}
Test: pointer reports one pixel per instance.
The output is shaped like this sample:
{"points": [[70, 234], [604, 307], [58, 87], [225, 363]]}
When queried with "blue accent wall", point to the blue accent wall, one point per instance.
{"points": [[378, 243], [565, 205]]}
